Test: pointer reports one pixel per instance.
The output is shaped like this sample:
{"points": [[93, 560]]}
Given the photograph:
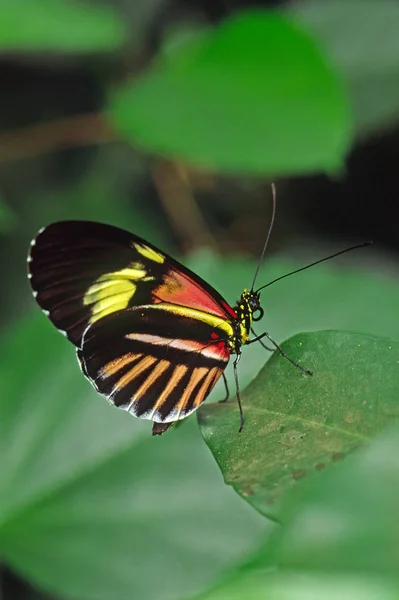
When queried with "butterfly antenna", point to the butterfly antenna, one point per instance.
{"points": [[316, 263], [268, 234]]}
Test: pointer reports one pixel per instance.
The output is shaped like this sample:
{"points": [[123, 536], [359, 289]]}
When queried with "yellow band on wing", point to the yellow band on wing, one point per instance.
{"points": [[113, 291], [149, 253], [193, 313]]}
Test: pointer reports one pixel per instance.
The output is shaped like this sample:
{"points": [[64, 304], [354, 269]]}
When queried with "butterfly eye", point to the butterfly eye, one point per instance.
{"points": [[258, 314]]}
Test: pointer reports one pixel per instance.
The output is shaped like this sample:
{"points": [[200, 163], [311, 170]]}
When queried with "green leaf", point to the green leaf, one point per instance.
{"points": [[297, 426], [261, 585], [91, 506], [254, 94], [340, 537], [349, 520], [361, 38], [61, 25]]}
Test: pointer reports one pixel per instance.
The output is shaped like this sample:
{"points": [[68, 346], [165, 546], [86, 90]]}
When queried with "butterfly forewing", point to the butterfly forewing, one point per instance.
{"points": [[151, 336], [154, 362], [81, 272]]}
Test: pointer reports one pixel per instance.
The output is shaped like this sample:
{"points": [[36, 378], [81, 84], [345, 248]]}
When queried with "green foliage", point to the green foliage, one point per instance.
{"points": [[88, 497], [361, 39], [90, 505], [254, 94], [292, 585], [341, 519], [362, 496], [296, 425], [63, 25], [340, 539]]}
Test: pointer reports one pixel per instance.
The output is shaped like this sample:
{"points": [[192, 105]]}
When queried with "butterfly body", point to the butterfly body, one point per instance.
{"points": [[150, 335]]}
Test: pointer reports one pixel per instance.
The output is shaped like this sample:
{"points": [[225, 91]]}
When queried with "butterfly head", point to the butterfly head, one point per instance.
{"points": [[250, 301], [248, 309]]}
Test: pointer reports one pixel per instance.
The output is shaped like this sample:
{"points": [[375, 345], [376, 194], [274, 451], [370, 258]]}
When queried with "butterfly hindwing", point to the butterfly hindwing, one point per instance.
{"points": [[154, 362], [82, 272]]}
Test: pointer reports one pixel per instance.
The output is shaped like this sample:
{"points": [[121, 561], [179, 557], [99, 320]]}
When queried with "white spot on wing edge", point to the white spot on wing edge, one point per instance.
{"points": [[172, 416], [46, 312], [33, 242], [34, 293], [150, 415], [29, 275], [131, 409]]}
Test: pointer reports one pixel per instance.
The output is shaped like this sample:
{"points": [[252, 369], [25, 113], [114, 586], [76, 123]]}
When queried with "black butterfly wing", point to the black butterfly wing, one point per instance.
{"points": [[81, 272], [154, 361]]}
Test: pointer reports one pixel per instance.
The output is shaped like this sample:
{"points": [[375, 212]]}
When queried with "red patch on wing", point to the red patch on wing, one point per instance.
{"points": [[179, 288], [229, 310], [223, 348], [219, 351]]}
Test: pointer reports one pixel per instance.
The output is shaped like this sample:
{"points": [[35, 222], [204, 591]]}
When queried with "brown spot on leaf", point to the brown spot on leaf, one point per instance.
{"points": [[270, 501], [320, 466], [352, 416], [338, 456], [291, 437], [299, 474], [271, 427], [247, 490]]}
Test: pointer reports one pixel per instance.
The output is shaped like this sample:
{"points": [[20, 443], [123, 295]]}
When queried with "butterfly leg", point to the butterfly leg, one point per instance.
{"points": [[258, 338], [227, 389], [286, 355], [235, 363], [265, 347]]}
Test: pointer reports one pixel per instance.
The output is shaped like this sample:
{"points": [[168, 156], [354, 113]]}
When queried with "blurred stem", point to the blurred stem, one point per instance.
{"points": [[171, 179], [70, 132], [175, 192]]}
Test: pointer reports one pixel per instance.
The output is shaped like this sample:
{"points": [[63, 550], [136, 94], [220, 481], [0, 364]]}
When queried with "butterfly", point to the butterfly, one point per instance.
{"points": [[150, 335]]}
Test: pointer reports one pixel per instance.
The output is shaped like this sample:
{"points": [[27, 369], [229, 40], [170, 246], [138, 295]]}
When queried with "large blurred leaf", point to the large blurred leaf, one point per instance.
{"points": [[263, 585], [91, 506], [64, 25], [56, 436], [340, 539], [362, 39], [254, 94], [295, 425], [349, 520]]}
